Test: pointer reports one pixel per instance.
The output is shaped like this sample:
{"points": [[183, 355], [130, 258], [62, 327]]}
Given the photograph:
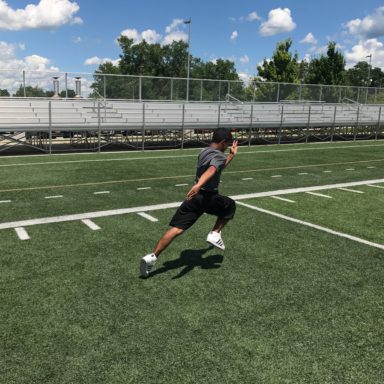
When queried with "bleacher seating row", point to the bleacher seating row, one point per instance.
{"points": [[30, 114]]}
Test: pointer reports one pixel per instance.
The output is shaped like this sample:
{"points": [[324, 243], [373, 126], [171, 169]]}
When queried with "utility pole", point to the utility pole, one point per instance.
{"points": [[189, 21], [369, 76]]}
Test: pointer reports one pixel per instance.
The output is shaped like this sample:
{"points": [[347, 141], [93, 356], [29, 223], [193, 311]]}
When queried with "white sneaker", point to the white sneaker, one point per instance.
{"points": [[215, 239], [146, 264]]}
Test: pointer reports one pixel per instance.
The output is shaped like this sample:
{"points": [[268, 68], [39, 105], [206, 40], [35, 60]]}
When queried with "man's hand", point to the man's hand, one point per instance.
{"points": [[233, 148], [193, 192]]}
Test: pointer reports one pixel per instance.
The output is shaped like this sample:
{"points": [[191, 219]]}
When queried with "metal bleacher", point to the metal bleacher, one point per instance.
{"points": [[22, 120]]}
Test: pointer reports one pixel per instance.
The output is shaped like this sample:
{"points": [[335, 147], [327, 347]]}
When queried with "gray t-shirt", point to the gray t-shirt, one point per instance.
{"points": [[207, 157]]}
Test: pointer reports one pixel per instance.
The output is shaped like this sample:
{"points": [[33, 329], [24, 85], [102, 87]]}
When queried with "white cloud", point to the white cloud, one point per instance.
{"points": [[46, 14], [369, 27], [38, 69], [364, 48], [244, 59], [175, 36], [78, 40], [131, 34], [234, 35], [95, 60], [253, 16], [245, 77], [175, 23], [279, 20], [309, 39], [150, 35]]}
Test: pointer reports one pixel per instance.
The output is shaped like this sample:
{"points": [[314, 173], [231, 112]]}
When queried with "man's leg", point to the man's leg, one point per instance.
{"points": [[224, 208], [219, 225], [148, 261], [167, 239]]}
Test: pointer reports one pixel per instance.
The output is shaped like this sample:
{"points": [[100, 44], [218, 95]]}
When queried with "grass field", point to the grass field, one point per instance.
{"points": [[297, 296]]}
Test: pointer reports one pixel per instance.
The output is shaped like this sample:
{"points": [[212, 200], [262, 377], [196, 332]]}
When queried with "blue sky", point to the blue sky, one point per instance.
{"points": [[76, 36]]}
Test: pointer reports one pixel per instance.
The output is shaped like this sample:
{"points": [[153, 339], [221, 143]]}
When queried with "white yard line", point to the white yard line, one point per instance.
{"points": [[327, 171], [350, 190], [283, 199], [148, 217], [303, 173], [350, 169], [315, 226], [143, 188], [22, 233], [319, 194], [181, 185], [5, 201], [53, 197], [276, 176], [371, 167], [91, 224], [375, 186], [101, 193], [92, 215], [247, 178]]}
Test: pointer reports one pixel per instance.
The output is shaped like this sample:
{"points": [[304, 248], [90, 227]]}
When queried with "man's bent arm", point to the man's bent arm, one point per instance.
{"points": [[207, 175]]}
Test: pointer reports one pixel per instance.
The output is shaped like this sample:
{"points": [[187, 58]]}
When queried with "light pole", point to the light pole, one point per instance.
{"points": [[189, 21], [369, 75]]}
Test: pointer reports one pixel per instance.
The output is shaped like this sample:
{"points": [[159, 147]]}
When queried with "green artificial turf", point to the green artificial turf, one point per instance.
{"points": [[283, 303]]}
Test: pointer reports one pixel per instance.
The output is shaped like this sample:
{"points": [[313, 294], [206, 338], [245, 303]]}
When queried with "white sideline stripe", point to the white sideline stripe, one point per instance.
{"points": [[319, 194], [247, 178], [91, 224], [276, 176], [101, 193], [283, 199], [180, 157], [320, 228], [142, 188], [371, 167], [305, 189], [303, 173], [53, 197], [375, 186], [180, 185], [22, 233], [350, 169], [148, 217], [350, 190], [5, 201], [122, 211], [327, 171]]}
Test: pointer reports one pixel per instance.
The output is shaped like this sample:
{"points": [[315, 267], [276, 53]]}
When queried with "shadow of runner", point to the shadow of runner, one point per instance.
{"points": [[190, 259]]}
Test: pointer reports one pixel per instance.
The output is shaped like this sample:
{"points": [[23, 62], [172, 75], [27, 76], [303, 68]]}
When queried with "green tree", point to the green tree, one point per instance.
{"points": [[328, 69], [283, 67], [4, 92], [168, 61], [30, 91]]}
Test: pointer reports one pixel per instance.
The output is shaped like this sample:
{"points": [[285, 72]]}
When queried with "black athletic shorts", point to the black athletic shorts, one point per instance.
{"points": [[204, 202]]}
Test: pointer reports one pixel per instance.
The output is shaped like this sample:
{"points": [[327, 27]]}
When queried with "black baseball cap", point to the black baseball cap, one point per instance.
{"points": [[220, 134]]}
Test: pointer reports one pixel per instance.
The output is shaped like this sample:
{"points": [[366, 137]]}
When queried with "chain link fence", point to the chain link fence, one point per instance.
{"points": [[112, 86]]}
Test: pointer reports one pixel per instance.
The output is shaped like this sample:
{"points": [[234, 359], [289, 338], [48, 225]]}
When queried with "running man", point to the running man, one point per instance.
{"points": [[203, 197]]}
